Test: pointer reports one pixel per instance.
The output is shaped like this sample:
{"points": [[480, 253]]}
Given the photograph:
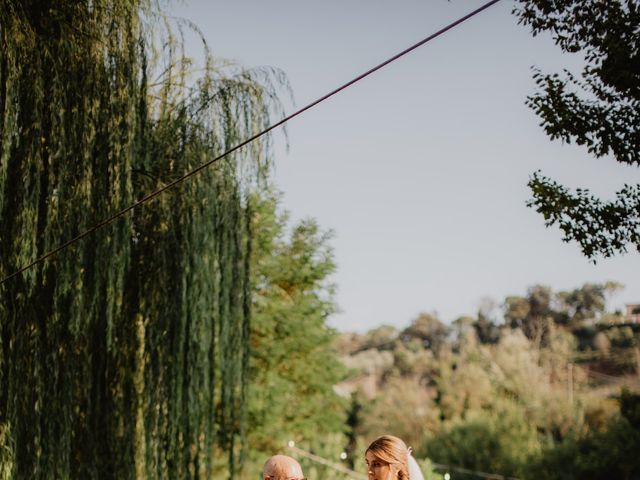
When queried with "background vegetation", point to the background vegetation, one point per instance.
{"points": [[189, 339], [537, 386], [127, 355]]}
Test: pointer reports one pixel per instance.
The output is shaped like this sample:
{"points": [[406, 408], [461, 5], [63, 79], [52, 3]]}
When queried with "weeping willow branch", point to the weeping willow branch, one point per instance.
{"points": [[126, 356]]}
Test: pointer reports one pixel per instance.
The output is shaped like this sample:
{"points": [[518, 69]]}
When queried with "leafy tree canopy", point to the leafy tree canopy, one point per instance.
{"points": [[293, 366], [134, 341], [427, 328], [600, 109]]}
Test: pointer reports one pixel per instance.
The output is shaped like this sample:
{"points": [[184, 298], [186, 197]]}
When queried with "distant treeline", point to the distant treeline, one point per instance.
{"points": [[542, 385]]}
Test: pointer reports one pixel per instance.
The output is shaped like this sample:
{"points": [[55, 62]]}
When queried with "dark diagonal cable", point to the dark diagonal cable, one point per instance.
{"points": [[247, 141]]}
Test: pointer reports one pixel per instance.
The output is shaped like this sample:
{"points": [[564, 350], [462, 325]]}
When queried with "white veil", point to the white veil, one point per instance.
{"points": [[414, 470]]}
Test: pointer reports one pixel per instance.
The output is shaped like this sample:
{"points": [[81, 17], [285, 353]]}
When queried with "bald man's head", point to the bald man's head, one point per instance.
{"points": [[282, 467]]}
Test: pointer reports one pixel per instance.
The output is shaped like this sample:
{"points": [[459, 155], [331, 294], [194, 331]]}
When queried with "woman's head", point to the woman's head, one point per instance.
{"points": [[387, 459]]}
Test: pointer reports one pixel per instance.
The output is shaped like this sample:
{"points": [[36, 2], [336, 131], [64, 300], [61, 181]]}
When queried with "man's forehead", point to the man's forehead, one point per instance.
{"points": [[285, 469]]}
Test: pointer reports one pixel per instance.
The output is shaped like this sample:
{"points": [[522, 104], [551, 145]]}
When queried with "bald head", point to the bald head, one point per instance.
{"points": [[282, 467]]}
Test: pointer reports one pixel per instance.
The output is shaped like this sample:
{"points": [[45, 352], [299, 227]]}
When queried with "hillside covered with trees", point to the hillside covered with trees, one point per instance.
{"points": [[543, 385]]}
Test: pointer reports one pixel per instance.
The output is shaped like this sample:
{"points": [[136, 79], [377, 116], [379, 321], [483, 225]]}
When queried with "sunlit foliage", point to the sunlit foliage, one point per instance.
{"points": [[127, 354]]}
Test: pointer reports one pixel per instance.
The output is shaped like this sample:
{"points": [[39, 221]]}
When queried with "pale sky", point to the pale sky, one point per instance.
{"points": [[420, 169]]}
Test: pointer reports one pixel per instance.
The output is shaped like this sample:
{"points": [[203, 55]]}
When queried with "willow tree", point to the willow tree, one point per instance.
{"points": [[125, 355]]}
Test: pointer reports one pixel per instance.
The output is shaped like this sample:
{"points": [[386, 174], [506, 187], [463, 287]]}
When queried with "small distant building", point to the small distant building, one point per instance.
{"points": [[633, 312]]}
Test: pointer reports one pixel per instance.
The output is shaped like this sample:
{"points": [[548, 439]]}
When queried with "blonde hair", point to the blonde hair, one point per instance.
{"points": [[392, 450]]}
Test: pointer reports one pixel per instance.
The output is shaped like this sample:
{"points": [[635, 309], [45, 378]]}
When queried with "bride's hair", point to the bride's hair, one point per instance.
{"points": [[392, 450]]}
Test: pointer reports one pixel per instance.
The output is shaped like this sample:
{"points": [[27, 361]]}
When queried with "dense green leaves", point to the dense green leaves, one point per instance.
{"points": [[498, 441], [125, 356], [428, 330], [600, 110], [610, 452], [600, 227], [293, 368]]}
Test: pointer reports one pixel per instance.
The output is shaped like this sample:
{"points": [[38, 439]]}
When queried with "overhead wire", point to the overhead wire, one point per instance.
{"points": [[196, 170]]}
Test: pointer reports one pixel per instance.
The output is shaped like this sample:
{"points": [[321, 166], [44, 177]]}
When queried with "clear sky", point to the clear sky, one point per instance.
{"points": [[420, 169]]}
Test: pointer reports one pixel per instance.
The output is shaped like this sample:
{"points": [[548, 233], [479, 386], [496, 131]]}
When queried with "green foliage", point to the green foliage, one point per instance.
{"points": [[293, 367], [126, 356], [427, 468], [380, 338], [532, 314], [599, 454], [428, 329], [490, 442], [587, 302], [7, 459], [510, 406], [486, 331], [537, 313], [600, 110], [404, 409]]}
